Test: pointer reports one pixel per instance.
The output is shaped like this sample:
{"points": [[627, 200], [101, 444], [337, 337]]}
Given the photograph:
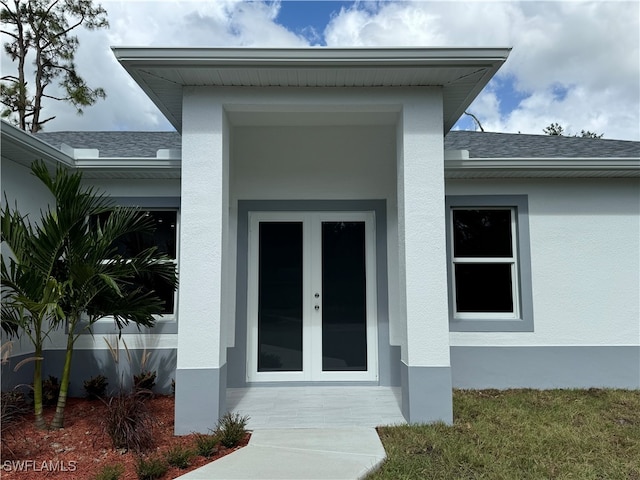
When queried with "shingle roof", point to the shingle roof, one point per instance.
{"points": [[479, 144], [517, 145], [115, 144]]}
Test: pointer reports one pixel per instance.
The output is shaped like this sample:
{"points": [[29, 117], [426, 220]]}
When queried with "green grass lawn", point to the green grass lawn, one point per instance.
{"points": [[522, 434]]}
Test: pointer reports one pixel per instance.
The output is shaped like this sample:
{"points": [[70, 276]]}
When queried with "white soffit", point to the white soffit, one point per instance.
{"points": [[461, 72]]}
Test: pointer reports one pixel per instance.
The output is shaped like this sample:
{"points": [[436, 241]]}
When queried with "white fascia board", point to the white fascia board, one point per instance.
{"points": [[544, 166], [28, 144], [127, 163], [261, 57]]}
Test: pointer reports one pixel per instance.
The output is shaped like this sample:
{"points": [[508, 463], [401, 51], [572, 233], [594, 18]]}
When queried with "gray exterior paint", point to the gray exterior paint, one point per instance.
{"points": [[525, 322], [89, 363], [200, 400], [546, 367], [388, 356], [479, 144], [426, 394], [19, 378]]}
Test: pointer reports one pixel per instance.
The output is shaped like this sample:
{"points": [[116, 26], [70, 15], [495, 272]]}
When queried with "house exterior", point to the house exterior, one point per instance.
{"points": [[330, 229]]}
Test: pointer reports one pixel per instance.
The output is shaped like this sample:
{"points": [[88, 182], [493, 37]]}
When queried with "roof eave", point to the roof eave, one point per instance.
{"points": [[139, 60], [263, 57], [542, 167], [115, 167], [30, 148]]}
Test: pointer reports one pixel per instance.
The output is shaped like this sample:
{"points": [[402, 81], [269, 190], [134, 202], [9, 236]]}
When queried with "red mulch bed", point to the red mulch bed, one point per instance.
{"points": [[82, 448]]}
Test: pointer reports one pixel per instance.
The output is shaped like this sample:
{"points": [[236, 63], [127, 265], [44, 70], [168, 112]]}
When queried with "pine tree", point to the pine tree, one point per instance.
{"points": [[42, 30]]}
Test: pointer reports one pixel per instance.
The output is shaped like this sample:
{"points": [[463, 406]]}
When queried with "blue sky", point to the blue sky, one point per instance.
{"points": [[303, 17], [566, 66]]}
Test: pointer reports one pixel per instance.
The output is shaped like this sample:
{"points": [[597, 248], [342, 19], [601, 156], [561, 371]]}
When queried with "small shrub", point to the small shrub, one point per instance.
{"points": [[95, 386], [145, 381], [128, 422], [206, 444], [179, 457], [151, 468], [13, 406], [50, 391], [110, 472], [230, 429]]}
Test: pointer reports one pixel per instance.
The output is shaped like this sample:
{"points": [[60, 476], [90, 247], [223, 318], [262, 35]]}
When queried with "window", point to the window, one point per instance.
{"points": [[165, 239], [166, 214], [489, 267]]}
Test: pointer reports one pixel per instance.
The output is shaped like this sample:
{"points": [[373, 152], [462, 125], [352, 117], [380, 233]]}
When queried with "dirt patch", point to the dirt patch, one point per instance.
{"points": [[82, 449]]}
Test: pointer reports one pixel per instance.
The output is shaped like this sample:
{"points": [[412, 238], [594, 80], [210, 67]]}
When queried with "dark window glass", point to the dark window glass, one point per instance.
{"points": [[164, 237], [344, 301], [280, 297], [482, 233], [483, 287]]}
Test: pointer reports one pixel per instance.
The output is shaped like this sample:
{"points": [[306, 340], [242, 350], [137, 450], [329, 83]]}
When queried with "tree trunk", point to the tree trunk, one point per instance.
{"points": [[37, 389], [58, 418]]}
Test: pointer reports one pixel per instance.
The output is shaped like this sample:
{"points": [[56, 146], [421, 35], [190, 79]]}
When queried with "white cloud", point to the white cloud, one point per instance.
{"points": [[158, 24], [587, 50]]}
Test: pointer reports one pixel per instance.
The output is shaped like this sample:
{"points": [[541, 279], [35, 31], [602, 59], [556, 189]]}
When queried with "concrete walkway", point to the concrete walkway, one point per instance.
{"points": [[347, 453]]}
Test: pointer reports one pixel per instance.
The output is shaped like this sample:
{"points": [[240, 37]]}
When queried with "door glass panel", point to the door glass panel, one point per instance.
{"points": [[344, 310], [280, 297]]}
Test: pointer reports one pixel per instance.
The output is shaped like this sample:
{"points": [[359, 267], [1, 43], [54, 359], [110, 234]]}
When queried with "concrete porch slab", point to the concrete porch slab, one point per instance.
{"points": [[316, 406]]}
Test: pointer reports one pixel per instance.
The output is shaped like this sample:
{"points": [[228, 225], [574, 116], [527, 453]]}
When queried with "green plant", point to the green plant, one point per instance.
{"points": [[206, 444], [110, 472], [12, 403], [50, 391], [231, 429], [13, 406], [150, 468], [56, 273], [145, 381], [128, 422], [95, 386], [179, 457], [521, 434]]}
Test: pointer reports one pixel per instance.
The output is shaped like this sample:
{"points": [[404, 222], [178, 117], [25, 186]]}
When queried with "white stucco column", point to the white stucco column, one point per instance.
{"points": [[201, 374], [426, 371]]}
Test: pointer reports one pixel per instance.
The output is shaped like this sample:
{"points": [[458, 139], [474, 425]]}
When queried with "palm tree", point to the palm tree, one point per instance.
{"points": [[75, 273]]}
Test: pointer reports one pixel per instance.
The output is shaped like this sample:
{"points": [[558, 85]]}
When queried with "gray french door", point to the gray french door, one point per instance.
{"points": [[311, 297]]}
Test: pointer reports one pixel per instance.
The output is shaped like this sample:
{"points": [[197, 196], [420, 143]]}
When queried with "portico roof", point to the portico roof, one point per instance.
{"points": [[461, 72]]}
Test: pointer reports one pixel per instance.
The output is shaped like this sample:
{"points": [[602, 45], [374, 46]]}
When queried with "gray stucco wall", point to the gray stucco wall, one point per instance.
{"points": [[546, 367], [89, 363]]}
